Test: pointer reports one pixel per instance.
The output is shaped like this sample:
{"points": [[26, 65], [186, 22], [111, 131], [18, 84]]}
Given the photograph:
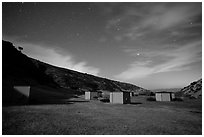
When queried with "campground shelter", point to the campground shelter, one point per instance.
{"points": [[90, 95], [120, 97], [23, 93], [164, 96]]}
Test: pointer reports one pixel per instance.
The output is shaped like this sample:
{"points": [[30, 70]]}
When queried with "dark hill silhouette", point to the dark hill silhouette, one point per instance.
{"points": [[19, 69]]}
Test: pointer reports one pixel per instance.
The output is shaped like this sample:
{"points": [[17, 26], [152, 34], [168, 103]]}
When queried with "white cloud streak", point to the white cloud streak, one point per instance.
{"points": [[52, 57], [179, 59]]}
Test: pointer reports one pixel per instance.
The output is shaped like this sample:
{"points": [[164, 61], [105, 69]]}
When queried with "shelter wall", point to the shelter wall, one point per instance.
{"points": [[116, 97], [21, 94], [87, 95], [166, 97], [158, 97], [24, 90]]}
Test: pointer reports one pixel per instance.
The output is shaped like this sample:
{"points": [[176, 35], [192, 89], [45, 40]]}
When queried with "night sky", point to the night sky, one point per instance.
{"points": [[153, 45]]}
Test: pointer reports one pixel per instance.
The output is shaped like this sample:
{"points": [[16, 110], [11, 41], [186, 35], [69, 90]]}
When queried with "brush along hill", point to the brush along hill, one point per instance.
{"points": [[19, 68], [193, 90]]}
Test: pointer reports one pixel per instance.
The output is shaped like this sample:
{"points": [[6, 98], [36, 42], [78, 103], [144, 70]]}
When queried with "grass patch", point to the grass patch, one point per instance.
{"points": [[96, 118]]}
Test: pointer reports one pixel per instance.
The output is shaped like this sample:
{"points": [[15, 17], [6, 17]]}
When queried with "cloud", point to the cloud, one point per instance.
{"points": [[136, 70], [153, 19], [52, 56], [162, 37], [176, 60], [165, 16], [82, 67]]}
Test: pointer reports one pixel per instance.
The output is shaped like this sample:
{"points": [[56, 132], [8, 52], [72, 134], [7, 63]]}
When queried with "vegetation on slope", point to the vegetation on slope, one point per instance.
{"points": [[193, 90]]}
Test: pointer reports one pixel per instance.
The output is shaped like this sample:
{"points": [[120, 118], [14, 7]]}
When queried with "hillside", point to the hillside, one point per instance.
{"points": [[19, 68], [168, 90], [80, 82], [193, 90]]}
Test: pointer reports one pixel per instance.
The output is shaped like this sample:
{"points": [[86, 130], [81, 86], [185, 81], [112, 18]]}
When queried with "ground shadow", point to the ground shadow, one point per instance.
{"points": [[78, 101], [39, 95], [198, 112], [75, 96], [135, 103], [50, 101]]}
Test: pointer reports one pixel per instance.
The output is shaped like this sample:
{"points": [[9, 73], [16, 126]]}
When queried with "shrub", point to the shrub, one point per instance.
{"points": [[151, 94], [177, 99], [151, 99], [143, 94], [105, 100], [95, 97], [20, 48], [100, 95], [192, 97]]}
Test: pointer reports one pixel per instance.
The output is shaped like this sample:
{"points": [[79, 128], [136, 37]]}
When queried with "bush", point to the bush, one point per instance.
{"points": [[105, 100], [192, 97], [95, 97], [143, 94], [151, 99], [151, 94], [100, 95], [177, 99]]}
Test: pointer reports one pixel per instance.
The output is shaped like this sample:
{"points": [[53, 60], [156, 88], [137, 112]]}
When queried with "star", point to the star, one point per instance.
{"points": [[138, 54]]}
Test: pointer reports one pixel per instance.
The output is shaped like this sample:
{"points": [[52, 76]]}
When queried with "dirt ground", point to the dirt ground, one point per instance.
{"points": [[79, 116]]}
